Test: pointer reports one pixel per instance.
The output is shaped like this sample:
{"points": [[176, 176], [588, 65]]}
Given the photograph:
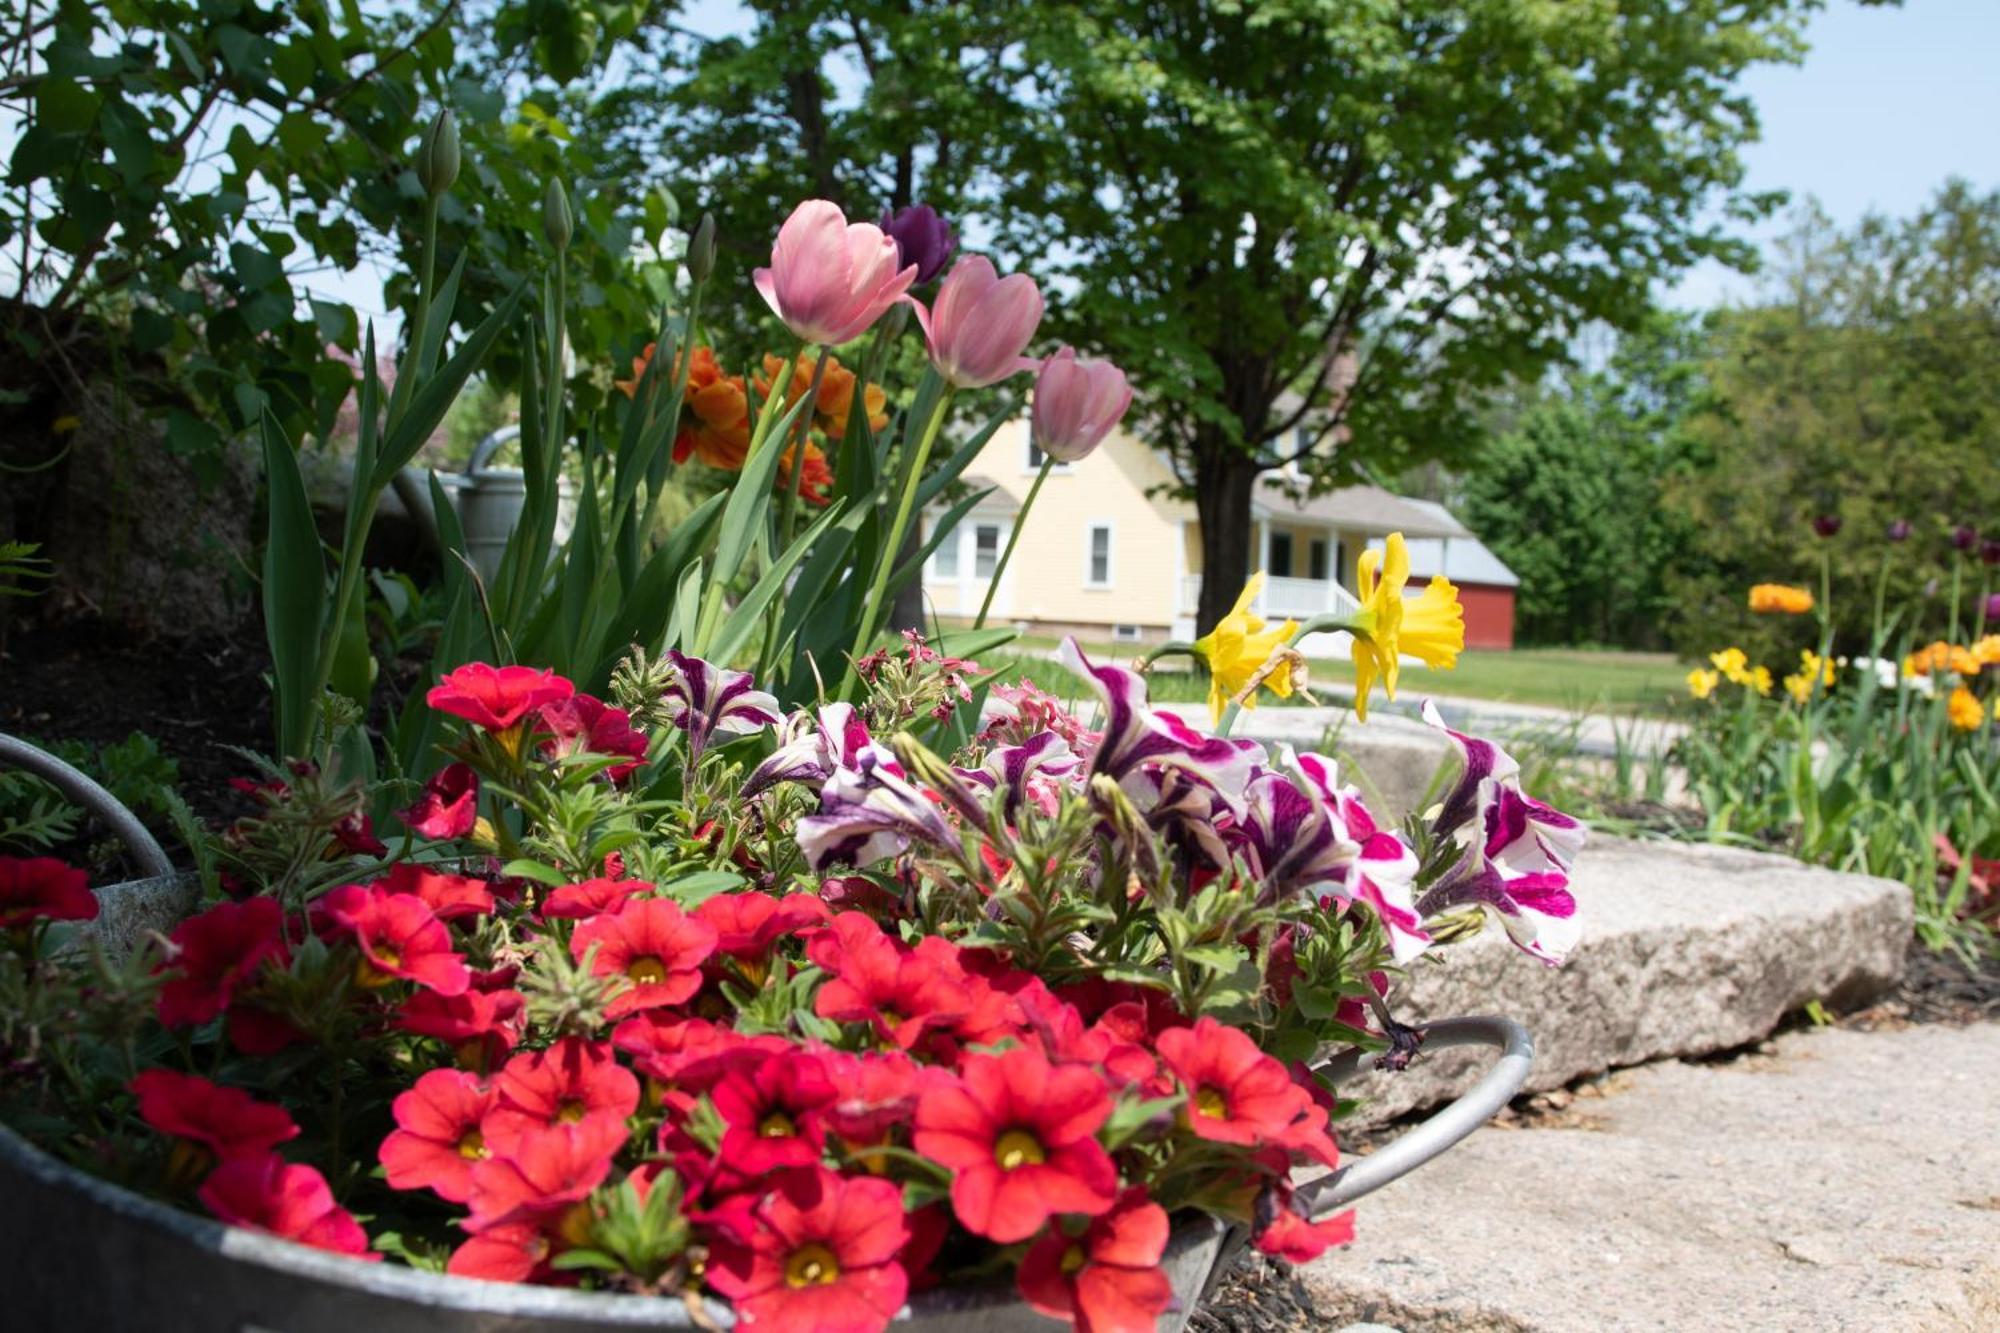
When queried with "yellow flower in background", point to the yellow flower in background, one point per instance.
{"points": [[1987, 651], [1800, 687], [1237, 648], [1430, 628], [1813, 670], [1733, 663], [1964, 711], [1781, 598], [1701, 683], [1759, 680]]}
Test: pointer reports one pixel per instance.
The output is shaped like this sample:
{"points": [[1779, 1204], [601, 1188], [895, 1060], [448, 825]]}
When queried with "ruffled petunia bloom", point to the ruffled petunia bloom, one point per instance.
{"points": [[1238, 1094], [821, 1256], [1136, 737], [1106, 1278], [585, 724], [42, 888], [830, 279], [448, 807], [654, 944], [569, 1083], [450, 897], [212, 1123], [437, 1138], [497, 699], [813, 746], [1430, 627], [266, 1193], [217, 953], [870, 813], [1019, 1137], [1239, 647], [399, 937], [713, 700]]}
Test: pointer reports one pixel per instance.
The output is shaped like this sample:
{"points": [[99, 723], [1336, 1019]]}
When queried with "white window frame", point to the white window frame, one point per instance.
{"points": [[999, 544], [1090, 531], [1029, 465], [951, 542]]}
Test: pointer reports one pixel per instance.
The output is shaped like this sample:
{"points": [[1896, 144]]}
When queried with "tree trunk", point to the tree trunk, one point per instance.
{"points": [[1226, 481]]}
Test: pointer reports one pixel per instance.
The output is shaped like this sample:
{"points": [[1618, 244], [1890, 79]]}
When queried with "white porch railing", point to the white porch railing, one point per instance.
{"points": [[1295, 598]]}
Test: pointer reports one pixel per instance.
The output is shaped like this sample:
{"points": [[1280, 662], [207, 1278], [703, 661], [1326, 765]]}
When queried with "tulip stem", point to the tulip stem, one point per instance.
{"points": [[1013, 536], [872, 607], [791, 506]]}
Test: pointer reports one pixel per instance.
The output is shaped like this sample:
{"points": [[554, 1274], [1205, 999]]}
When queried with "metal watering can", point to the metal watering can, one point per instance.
{"points": [[490, 501]]}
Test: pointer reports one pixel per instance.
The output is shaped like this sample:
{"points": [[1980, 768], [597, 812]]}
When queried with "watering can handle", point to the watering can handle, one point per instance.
{"points": [[490, 446], [1411, 1150], [109, 811]]}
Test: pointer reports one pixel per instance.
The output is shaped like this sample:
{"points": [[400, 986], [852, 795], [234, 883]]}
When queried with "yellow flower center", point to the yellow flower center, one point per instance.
{"points": [[647, 971], [1211, 1103], [1018, 1148], [811, 1266], [471, 1145], [575, 1225], [570, 1111], [188, 1163], [777, 1125], [370, 974], [1073, 1259]]}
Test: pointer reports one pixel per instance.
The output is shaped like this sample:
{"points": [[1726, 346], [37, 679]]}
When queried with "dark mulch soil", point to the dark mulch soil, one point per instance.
{"points": [[1259, 1295], [1936, 988], [77, 680]]}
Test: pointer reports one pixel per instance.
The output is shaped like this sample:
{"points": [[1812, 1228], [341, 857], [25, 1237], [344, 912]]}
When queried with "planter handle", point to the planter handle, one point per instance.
{"points": [[1473, 1108], [489, 446], [109, 811]]}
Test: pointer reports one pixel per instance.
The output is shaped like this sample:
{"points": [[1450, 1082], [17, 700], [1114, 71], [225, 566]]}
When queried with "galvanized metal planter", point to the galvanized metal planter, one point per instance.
{"points": [[77, 1252]]}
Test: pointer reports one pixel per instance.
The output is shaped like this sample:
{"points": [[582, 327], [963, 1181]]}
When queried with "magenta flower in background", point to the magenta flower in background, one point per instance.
{"points": [[1826, 525], [1077, 402], [1964, 537], [922, 238], [1899, 531], [1989, 551], [830, 279], [1993, 609], [981, 323]]}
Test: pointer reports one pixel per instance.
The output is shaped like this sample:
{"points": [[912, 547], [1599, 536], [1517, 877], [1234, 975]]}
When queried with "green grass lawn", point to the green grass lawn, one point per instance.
{"points": [[1573, 678]]}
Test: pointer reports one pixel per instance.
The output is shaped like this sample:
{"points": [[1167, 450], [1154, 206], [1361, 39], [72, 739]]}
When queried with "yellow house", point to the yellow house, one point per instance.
{"points": [[1104, 556]]}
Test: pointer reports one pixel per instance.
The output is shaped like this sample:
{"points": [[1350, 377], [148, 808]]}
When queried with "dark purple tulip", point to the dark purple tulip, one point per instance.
{"points": [[922, 238], [1826, 524], [1993, 609], [1899, 531], [1964, 537]]}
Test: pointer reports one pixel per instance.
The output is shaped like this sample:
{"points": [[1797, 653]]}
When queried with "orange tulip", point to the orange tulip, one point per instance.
{"points": [[715, 417], [836, 393]]}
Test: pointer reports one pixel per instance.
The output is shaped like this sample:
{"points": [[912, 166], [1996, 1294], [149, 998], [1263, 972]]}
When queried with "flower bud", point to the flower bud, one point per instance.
{"points": [[1899, 531], [437, 156], [557, 223], [1826, 525], [1964, 537], [701, 249]]}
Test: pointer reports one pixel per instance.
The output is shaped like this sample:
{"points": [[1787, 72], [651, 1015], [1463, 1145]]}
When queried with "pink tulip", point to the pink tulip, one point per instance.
{"points": [[830, 279], [981, 324], [1077, 402]]}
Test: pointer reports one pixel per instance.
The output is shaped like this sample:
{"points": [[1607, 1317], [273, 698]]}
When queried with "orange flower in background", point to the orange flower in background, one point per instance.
{"points": [[1965, 711], [836, 394], [630, 388], [715, 416], [1782, 598], [815, 482], [1942, 656], [1987, 651]]}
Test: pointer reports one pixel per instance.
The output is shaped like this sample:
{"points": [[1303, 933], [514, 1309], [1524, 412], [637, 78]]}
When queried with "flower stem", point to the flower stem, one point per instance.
{"points": [[1013, 537], [871, 609]]}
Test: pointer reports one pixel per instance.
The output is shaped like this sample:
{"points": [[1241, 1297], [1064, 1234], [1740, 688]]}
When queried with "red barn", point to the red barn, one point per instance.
{"points": [[1485, 585]]}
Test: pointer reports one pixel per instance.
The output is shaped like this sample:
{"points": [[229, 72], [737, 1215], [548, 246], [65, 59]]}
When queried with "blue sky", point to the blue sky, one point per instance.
{"points": [[1887, 105]]}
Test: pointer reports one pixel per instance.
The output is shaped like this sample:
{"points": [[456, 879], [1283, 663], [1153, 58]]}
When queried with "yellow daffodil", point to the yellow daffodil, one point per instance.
{"points": [[1813, 670], [1701, 683], [1964, 711], [1759, 680], [1733, 663], [1800, 687], [1237, 648], [1429, 627]]}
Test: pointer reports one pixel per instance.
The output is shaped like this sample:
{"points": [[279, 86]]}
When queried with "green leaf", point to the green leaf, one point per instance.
{"points": [[750, 498], [65, 106], [743, 619], [437, 395], [693, 890], [294, 593], [524, 868]]}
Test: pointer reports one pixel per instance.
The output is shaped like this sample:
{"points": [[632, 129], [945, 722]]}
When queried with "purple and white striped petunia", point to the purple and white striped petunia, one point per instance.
{"points": [[715, 699], [1135, 735], [1535, 908], [1524, 834], [812, 747], [870, 812], [1043, 754], [1483, 762]]}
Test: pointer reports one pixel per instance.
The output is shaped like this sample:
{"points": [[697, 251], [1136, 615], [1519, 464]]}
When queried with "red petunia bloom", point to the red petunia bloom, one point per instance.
{"points": [[570, 1082], [42, 888], [1017, 1133], [480, 1026], [399, 938], [448, 896], [1108, 1279], [690, 1054], [1238, 1094], [497, 698], [904, 995], [585, 724], [654, 944], [578, 902], [437, 1137], [217, 953], [270, 1194], [448, 807], [213, 1123], [748, 924], [878, 1091], [821, 1259], [541, 1173], [772, 1113]]}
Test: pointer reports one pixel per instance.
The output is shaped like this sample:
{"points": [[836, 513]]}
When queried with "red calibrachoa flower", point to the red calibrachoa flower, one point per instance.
{"points": [[1018, 1135], [902, 994], [690, 1054], [437, 1139], [822, 1257], [215, 954], [570, 1082], [270, 1194], [449, 897], [1282, 1227], [773, 1113], [449, 806], [1238, 1094], [1108, 1278], [747, 925], [536, 1176], [579, 902], [652, 942], [480, 1026], [585, 724], [878, 1091], [399, 938], [211, 1122], [43, 888], [497, 699]]}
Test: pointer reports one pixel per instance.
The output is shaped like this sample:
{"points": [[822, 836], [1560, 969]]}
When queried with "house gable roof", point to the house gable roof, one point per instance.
{"points": [[1368, 508]]}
